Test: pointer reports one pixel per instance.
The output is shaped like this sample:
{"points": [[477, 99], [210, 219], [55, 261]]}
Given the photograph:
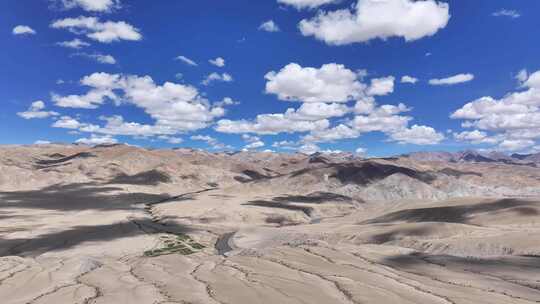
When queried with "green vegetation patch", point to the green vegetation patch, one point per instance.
{"points": [[175, 244]]}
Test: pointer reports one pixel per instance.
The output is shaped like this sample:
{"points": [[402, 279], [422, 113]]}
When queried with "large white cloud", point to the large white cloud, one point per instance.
{"points": [[382, 19], [37, 110], [89, 5], [515, 118], [93, 28], [336, 133], [270, 124], [417, 135], [515, 144], [94, 140], [385, 119], [330, 83], [324, 93], [308, 117], [475, 137], [317, 111], [174, 107], [310, 4]]}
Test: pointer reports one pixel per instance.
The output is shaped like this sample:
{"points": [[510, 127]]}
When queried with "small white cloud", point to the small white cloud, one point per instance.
{"points": [[23, 30], [331, 134], [507, 13], [456, 79], [522, 76], [361, 151], [307, 4], [219, 62], [211, 141], [285, 144], [186, 60], [254, 145], [381, 86], [36, 110], [269, 26], [101, 58], [217, 77], [171, 140], [309, 149], [89, 5], [94, 140], [93, 28], [42, 142], [74, 44], [227, 101], [409, 79]]}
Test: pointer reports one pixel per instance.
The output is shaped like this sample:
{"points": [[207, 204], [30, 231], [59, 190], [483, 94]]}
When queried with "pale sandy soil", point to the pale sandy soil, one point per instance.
{"points": [[85, 243], [470, 251]]}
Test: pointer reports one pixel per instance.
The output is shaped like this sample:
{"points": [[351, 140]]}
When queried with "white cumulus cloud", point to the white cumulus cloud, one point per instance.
{"points": [[309, 4], [23, 30], [219, 62], [409, 79], [93, 28], [224, 77], [175, 108], [417, 135], [514, 118], [381, 86], [456, 79], [101, 58], [89, 5], [74, 44], [330, 83], [371, 19], [95, 140], [37, 110], [269, 26]]}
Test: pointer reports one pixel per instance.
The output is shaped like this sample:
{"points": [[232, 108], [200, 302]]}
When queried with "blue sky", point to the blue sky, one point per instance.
{"points": [[340, 62]]}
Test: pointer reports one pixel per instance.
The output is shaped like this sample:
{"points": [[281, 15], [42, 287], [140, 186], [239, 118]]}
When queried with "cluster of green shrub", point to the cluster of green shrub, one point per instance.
{"points": [[175, 244]]}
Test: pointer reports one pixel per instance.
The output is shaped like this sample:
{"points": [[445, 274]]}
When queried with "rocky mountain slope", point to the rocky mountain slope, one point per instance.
{"points": [[122, 224]]}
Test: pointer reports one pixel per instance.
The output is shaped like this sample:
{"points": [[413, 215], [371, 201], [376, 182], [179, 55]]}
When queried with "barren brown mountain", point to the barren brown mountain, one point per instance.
{"points": [[121, 224]]}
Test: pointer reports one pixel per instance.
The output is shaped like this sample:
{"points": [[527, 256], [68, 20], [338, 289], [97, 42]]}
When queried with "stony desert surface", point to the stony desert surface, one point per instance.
{"points": [[121, 224]]}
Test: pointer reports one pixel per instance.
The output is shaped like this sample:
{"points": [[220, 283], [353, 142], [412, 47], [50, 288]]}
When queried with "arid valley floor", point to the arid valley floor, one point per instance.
{"points": [[120, 224]]}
